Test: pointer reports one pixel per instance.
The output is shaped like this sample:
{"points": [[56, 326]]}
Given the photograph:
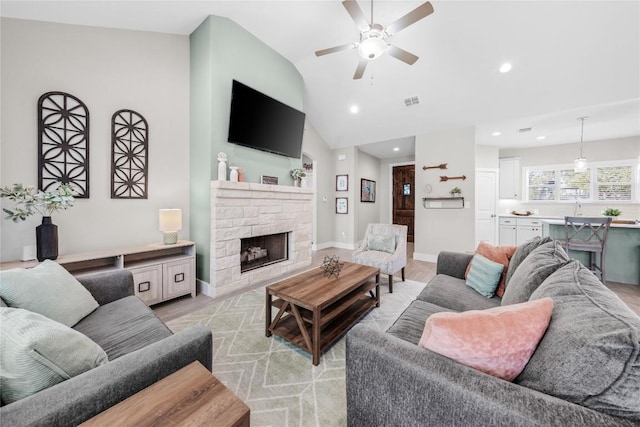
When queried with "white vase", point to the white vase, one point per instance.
{"points": [[222, 170], [233, 175]]}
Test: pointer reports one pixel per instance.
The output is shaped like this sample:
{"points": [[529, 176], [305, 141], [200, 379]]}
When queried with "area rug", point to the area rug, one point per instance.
{"points": [[274, 378]]}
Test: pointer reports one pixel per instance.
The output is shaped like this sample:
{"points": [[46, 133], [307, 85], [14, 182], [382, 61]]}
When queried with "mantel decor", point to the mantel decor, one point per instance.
{"points": [[63, 143], [129, 155], [367, 190]]}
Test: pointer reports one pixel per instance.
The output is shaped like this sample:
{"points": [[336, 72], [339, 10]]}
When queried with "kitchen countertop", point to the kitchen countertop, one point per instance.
{"points": [[553, 221]]}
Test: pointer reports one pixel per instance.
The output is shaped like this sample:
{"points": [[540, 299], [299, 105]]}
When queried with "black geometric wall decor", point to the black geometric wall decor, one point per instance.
{"points": [[129, 155], [63, 143]]}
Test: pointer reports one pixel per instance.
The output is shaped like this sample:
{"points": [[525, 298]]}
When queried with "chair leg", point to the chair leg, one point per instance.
{"points": [[403, 274], [391, 283], [602, 258]]}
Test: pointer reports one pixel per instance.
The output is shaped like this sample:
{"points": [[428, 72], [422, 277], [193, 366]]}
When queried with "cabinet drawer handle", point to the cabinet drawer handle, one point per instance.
{"points": [[144, 286], [178, 278]]}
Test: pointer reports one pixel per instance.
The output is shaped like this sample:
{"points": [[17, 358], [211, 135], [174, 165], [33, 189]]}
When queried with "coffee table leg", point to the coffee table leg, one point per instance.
{"points": [[316, 337], [378, 290], [267, 331]]}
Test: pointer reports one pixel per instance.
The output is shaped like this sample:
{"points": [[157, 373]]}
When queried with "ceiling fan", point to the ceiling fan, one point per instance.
{"points": [[373, 37]]}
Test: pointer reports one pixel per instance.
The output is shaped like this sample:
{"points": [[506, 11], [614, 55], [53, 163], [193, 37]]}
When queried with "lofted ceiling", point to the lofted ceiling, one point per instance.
{"points": [[570, 59]]}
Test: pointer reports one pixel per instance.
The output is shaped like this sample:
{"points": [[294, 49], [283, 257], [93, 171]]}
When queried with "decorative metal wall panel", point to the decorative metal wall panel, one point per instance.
{"points": [[129, 155], [63, 142]]}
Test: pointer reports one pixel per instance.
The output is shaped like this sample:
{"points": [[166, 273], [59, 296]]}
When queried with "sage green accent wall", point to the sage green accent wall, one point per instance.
{"points": [[222, 51]]}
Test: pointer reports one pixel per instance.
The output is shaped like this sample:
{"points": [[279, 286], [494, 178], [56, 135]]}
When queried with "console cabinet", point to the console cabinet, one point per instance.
{"points": [[160, 272]]}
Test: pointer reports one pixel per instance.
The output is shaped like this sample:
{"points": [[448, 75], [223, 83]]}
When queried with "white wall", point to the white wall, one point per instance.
{"points": [[108, 70], [487, 156], [366, 212], [345, 164], [324, 177], [439, 230]]}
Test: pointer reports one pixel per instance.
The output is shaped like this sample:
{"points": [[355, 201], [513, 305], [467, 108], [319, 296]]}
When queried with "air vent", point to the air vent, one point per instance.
{"points": [[410, 102], [524, 130]]}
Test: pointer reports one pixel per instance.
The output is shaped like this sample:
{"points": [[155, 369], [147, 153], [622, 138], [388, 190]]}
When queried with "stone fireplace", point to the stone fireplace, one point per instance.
{"points": [[248, 212]]}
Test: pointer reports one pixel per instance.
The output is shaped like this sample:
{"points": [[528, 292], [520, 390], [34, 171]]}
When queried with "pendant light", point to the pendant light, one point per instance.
{"points": [[580, 164]]}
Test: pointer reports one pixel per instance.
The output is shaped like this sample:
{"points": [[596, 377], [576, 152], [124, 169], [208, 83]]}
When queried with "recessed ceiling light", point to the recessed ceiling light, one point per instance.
{"points": [[505, 68], [541, 137], [496, 134], [396, 149], [354, 109]]}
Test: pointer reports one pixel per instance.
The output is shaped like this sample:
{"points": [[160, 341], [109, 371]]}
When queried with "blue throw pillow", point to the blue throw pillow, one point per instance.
{"points": [[484, 275]]}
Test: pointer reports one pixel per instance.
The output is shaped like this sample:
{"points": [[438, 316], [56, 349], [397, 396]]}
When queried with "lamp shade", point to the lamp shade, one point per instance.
{"points": [[170, 219]]}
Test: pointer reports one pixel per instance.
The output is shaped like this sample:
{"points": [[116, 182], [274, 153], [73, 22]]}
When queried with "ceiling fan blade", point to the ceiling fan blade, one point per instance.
{"points": [[356, 14], [415, 15], [335, 49], [401, 54], [360, 70]]}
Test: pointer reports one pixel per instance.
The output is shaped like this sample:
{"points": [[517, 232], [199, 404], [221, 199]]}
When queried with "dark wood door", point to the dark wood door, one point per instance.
{"points": [[404, 197]]}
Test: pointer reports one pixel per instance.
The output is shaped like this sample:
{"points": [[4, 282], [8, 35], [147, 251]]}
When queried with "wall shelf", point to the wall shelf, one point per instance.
{"points": [[443, 202]]}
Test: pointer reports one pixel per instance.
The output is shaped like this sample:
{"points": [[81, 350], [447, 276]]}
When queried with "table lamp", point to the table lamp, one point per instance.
{"points": [[170, 221]]}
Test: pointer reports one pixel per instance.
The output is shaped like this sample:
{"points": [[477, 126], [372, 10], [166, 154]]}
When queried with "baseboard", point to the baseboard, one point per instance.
{"points": [[321, 246], [205, 288], [425, 257], [339, 245]]}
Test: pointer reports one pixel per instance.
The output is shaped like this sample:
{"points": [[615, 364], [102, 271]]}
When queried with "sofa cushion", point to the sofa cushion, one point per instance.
{"points": [[47, 289], [484, 275], [452, 293], [37, 352], [498, 341], [123, 326], [536, 267], [521, 253], [410, 324], [590, 354], [499, 254]]}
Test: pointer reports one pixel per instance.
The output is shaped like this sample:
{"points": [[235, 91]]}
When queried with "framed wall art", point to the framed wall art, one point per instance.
{"points": [[342, 182], [342, 205], [367, 190], [266, 179]]}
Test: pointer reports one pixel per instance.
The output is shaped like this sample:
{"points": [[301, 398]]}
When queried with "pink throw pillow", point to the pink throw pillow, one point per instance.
{"points": [[498, 341], [499, 254]]}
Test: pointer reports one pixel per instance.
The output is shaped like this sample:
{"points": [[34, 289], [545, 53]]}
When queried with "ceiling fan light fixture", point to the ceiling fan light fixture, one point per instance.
{"points": [[372, 43]]}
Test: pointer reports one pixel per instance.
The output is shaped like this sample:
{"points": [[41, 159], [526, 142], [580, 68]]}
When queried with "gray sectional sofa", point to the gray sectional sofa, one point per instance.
{"points": [[584, 372], [141, 351]]}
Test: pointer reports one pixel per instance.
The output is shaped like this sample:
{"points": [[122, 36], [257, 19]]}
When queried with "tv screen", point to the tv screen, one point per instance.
{"points": [[259, 121]]}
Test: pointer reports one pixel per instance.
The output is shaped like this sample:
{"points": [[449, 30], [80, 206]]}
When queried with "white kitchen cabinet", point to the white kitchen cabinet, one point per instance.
{"points": [[528, 228], [515, 231], [507, 231], [510, 178]]}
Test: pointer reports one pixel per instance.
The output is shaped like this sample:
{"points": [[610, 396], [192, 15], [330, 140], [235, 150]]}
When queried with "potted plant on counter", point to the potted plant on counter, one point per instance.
{"points": [[29, 202], [611, 212]]}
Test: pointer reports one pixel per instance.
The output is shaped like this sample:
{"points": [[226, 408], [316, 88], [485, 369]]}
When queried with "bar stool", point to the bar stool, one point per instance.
{"points": [[588, 235]]}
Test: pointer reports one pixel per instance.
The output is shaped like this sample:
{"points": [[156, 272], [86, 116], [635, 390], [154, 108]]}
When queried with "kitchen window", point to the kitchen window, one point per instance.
{"points": [[600, 182]]}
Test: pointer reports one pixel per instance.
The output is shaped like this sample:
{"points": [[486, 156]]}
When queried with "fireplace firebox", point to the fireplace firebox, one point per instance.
{"points": [[260, 251]]}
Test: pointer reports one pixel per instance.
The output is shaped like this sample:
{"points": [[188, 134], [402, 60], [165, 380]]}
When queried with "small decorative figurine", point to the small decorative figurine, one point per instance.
{"points": [[332, 266], [222, 166]]}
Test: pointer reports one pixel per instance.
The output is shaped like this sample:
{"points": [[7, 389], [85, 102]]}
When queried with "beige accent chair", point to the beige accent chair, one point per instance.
{"points": [[384, 246]]}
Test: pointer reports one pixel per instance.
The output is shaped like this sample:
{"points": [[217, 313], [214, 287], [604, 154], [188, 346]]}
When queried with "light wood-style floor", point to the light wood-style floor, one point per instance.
{"points": [[419, 271]]}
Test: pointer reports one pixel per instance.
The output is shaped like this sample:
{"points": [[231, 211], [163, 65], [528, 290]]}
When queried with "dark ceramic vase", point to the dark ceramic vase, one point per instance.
{"points": [[47, 239]]}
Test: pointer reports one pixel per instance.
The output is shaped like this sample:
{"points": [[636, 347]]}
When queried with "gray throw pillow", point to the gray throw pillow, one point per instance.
{"points": [[382, 243], [47, 289], [521, 253], [536, 267], [590, 354], [37, 352]]}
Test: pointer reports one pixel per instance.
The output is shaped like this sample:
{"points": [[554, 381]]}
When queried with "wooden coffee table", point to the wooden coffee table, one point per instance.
{"points": [[191, 396], [315, 311]]}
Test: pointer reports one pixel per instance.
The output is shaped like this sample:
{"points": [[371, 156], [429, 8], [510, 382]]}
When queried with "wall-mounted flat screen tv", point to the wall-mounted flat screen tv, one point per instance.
{"points": [[261, 122]]}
